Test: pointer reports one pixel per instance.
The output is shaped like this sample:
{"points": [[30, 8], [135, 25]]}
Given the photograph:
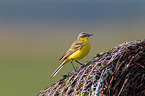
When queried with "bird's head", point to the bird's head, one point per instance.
{"points": [[84, 35]]}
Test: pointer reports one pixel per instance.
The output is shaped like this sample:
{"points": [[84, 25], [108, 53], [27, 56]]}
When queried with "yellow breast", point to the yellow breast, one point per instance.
{"points": [[79, 54]]}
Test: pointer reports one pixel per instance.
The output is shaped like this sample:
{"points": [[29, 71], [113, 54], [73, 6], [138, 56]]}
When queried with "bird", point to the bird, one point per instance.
{"points": [[78, 50]]}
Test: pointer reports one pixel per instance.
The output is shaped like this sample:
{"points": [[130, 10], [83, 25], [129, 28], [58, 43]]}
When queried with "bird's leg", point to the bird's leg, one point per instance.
{"points": [[79, 62], [73, 65]]}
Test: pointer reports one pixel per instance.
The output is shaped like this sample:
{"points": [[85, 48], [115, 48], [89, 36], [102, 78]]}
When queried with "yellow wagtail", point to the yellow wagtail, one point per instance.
{"points": [[79, 49]]}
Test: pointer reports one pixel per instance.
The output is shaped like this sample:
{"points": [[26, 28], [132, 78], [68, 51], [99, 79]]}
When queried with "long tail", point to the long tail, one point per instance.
{"points": [[58, 69]]}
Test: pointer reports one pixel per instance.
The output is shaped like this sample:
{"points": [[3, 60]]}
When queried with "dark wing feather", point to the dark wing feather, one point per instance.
{"points": [[78, 44]]}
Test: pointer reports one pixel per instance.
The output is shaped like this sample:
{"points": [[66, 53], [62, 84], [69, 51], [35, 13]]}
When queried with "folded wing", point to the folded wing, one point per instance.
{"points": [[78, 44]]}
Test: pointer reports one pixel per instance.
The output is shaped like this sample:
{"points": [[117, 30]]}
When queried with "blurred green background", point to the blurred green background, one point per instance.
{"points": [[35, 34]]}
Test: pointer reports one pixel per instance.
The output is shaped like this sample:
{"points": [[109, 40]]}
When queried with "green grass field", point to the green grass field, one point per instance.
{"points": [[27, 60]]}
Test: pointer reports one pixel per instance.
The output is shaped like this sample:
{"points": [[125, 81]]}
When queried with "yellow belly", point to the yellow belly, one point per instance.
{"points": [[79, 54]]}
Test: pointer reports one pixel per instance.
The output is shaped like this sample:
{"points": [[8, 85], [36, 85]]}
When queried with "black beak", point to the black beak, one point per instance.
{"points": [[90, 34]]}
